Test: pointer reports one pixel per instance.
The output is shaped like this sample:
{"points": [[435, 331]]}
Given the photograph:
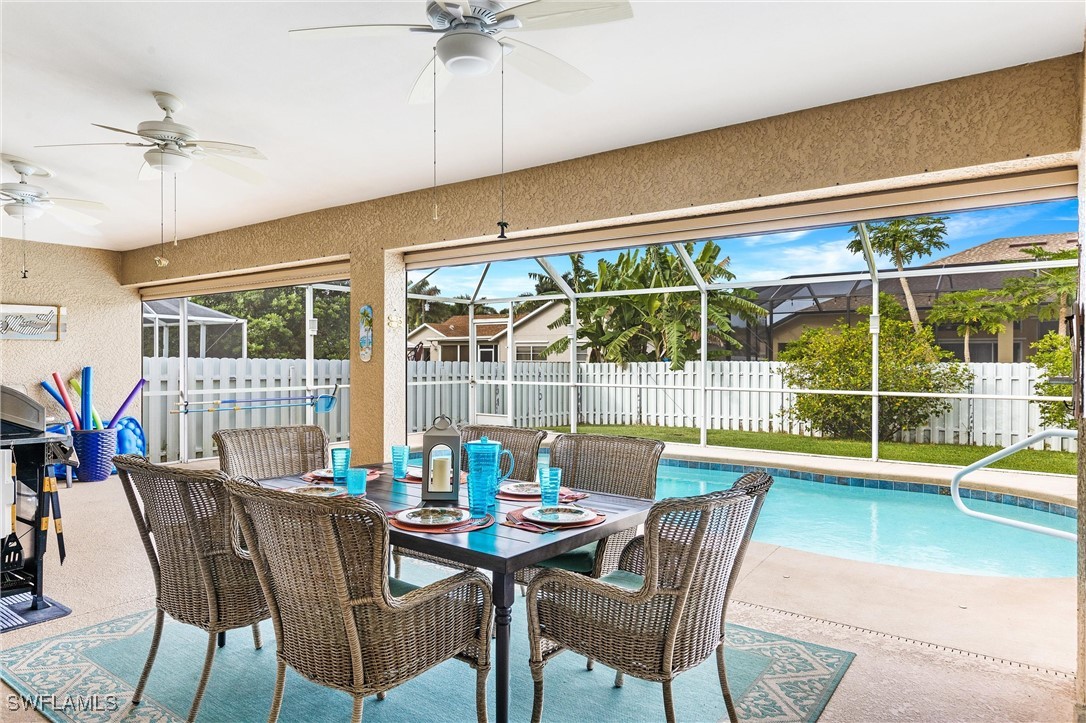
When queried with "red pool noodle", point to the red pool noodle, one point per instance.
{"points": [[125, 403], [67, 401]]}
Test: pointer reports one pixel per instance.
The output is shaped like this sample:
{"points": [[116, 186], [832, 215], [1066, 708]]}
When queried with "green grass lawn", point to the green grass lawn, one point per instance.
{"points": [[957, 455]]}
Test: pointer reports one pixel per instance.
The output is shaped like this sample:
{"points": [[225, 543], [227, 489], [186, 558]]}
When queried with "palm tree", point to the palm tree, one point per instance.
{"points": [[663, 325], [902, 240], [1049, 291], [673, 319], [972, 312], [417, 308], [606, 326]]}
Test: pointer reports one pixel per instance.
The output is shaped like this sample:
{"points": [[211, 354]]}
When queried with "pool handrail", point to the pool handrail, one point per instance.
{"points": [[995, 456]]}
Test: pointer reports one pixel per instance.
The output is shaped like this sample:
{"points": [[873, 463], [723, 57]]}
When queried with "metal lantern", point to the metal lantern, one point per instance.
{"points": [[441, 462]]}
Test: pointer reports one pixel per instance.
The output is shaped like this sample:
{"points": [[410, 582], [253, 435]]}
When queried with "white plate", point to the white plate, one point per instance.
{"points": [[325, 473], [559, 515], [415, 472], [433, 516], [320, 490], [521, 489]]}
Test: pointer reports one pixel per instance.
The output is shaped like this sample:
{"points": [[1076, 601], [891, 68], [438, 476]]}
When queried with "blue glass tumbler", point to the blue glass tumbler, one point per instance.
{"points": [[356, 480], [400, 453], [550, 481], [341, 460]]}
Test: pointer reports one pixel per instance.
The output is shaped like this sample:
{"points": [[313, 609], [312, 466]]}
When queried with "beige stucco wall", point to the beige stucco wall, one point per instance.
{"points": [[103, 322], [1009, 114]]}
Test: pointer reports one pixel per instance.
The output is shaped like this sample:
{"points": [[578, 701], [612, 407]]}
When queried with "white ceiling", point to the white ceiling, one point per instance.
{"points": [[332, 118]]}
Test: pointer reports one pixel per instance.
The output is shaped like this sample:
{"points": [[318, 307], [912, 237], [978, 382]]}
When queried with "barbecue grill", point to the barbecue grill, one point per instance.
{"points": [[22, 432]]}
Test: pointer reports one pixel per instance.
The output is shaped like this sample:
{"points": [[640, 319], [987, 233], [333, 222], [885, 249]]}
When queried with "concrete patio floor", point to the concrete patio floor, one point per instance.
{"points": [[929, 646]]}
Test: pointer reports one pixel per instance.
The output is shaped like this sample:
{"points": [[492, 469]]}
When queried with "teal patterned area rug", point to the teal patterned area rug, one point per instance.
{"points": [[89, 675]]}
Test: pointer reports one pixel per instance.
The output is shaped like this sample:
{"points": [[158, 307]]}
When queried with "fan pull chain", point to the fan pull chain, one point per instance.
{"points": [[434, 191], [175, 210], [502, 223], [161, 261], [26, 272]]}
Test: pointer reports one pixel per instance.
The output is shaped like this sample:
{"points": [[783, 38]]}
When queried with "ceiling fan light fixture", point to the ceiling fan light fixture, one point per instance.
{"points": [[167, 160], [468, 51], [24, 211]]}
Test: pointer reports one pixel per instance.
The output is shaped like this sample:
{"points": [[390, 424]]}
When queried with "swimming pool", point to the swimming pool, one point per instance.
{"points": [[887, 526], [892, 527]]}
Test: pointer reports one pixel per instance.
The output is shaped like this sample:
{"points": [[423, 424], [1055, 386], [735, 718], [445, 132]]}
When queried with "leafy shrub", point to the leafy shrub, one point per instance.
{"points": [[839, 357], [1052, 356]]}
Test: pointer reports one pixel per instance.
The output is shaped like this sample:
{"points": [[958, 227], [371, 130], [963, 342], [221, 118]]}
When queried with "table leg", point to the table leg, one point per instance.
{"points": [[503, 614]]}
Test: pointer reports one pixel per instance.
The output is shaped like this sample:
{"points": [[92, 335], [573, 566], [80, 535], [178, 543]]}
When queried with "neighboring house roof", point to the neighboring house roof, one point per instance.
{"points": [[925, 289], [456, 327], [1008, 248]]}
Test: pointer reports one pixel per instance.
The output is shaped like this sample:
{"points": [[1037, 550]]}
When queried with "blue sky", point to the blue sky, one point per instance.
{"points": [[779, 255]]}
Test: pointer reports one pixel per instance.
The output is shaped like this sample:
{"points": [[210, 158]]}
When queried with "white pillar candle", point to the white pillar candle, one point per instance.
{"points": [[441, 478]]}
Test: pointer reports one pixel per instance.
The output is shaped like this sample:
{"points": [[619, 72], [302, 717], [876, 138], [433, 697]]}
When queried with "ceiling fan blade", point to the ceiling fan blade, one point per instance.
{"points": [[551, 14], [546, 68], [456, 9], [423, 89], [74, 219], [232, 168], [73, 145], [75, 203], [358, 31], [229, 149], [117, 130]]}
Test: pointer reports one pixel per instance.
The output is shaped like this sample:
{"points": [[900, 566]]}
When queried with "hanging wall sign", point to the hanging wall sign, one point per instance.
{"points": [[42, 323], [365, 333]]}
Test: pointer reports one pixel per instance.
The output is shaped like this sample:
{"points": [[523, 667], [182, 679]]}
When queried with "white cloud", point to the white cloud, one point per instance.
{"points": [[988, 223], [827, 257], [457, 280], [771, 239]]}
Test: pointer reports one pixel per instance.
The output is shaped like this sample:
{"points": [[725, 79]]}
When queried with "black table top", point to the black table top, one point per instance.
{"points": [[497, 548]]}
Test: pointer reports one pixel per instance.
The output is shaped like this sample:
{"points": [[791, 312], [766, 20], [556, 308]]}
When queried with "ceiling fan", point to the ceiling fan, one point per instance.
{"points": [[173, 147], [471, 41], [27, 202]]}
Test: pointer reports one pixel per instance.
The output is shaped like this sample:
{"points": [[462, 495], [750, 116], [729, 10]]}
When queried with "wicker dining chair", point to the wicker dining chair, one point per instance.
{"points": [[186, 523], [757, 485], [662, 611], [266, 452], [601, 463], [522, 442], [340, 621]]}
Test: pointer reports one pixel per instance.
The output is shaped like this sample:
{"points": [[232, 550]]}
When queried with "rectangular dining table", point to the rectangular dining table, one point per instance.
{"points": [[500, 549]]}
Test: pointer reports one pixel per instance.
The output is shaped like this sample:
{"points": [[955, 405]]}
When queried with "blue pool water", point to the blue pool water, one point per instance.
{"points": [[892, 527]]}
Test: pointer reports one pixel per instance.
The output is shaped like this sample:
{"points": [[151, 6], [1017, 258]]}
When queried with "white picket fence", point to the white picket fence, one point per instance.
{"points": [[653, 394], [247, 379], [643, 393]]}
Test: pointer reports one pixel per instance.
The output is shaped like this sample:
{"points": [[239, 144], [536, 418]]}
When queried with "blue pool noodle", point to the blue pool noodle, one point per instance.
{"points": [[85, 395], [54, 394]]}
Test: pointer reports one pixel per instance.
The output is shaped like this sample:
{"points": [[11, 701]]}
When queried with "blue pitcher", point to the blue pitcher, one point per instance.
{"points": [[484, 474]]}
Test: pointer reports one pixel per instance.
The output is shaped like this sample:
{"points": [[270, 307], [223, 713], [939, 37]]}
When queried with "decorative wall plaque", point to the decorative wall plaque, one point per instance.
{"points": [[41, 323]]}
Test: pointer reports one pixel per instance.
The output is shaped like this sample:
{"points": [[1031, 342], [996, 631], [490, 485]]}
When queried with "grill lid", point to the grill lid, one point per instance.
{"points": [[20, 410]]}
